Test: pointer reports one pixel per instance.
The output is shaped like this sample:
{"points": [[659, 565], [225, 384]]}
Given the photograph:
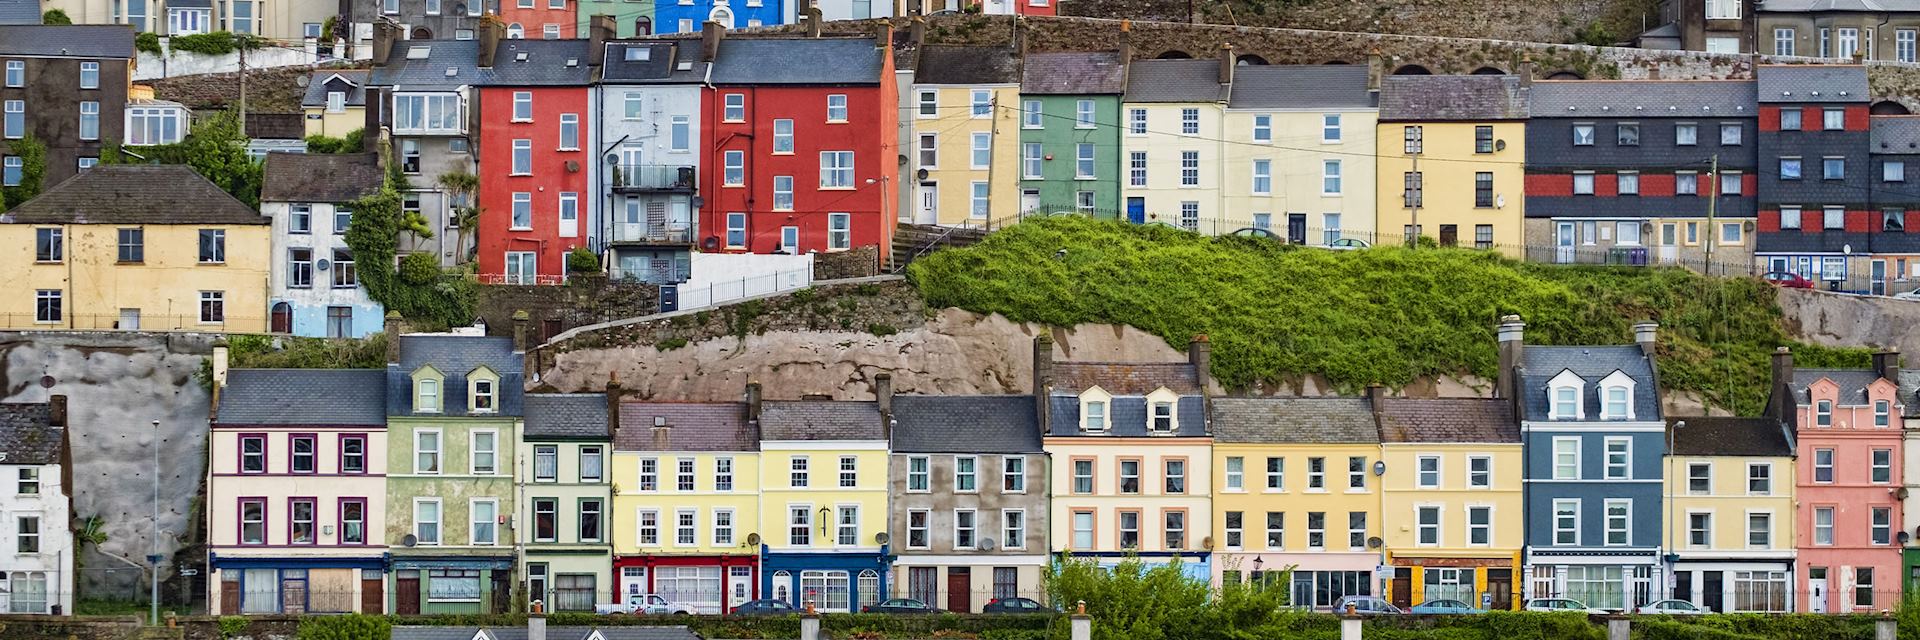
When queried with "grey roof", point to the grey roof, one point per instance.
{"points": [[1126, 417], [19, 11], [553, 633], [967, 64], [1726, 436], [454, 356], [693, 426], [1074, 73], [134, 194], [1324, 86], [813, 61], [1812, 83], [1294, 420], [820, 420], [351, 81], [546, 64], [964, 424], [1895, 134], [1853, 384], [1641, 98], [27, 434], [1126, 378], [1540, 363], [1448, 420], [1174, 81], [1453, 98], [67, 41], [663, 64], [320, 177], [1910, 391], [1813, 6], [343, 397], [566, 415]]}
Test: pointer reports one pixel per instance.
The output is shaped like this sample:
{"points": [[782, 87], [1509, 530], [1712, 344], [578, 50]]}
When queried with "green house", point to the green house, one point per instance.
{"points": [[1070, 132], [453, 416]]}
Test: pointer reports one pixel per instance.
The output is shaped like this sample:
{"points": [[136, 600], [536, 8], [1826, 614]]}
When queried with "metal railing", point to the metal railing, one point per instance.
{"points": [[142, 322], [644, 232], [653, 177]]}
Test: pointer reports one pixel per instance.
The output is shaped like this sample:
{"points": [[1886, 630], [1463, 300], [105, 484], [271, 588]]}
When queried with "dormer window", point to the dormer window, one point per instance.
{"points": [[1881, 409], [1566, 402], [1564, 397], [1616, 408], [483, 390], [1096, 416], [1616, 395], [426, 395], [1823, 413], [1163, 417], [483, 396]]}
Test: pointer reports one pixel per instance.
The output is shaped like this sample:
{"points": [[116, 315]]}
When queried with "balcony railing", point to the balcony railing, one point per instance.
{"points": [[651, 233], [653, 177]]}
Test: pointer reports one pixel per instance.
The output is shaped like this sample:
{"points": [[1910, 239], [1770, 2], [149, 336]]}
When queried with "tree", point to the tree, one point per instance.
{"points": [[55, 16], [33, 171], [1133, 601], [216, 148], [374, 236], [460, 187]]}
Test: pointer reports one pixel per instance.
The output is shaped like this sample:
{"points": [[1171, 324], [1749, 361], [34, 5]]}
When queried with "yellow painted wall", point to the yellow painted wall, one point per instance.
{"points": [[1730, 502], [1448, 163], [778, 496], [1294, 498], [165, 287], [1402, 495], [335, 124], [1105, 501], [1297, 155], [1164, 145], [629, 500], [954, 173]]}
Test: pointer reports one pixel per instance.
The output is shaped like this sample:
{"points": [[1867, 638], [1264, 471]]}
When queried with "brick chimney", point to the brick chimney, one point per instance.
{"points": [[490, 34], [1042, 380], [814, 21], [1200, 355], [1647, 335], [917, 31], [662, 434], [1226, 63], [384, 34], [1374, 71], [1512, 334], [613, 405], [753, 402], [57, 410], [1376, 401], [883, 399], [1780, 400], [393, 336], [1887, 365], [711, 34], [520, 322], [1526, 70], [1126, 41], [600, 29]]}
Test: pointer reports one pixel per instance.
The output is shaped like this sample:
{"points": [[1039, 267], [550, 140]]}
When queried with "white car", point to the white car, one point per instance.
{"points": [[645, 605], [1560, 604], [1908, 295], [1672, 608]]}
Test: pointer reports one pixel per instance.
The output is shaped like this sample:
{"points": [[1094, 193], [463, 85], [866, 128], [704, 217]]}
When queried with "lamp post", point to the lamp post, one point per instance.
{"points": [[1672, 557], [153, 555]]}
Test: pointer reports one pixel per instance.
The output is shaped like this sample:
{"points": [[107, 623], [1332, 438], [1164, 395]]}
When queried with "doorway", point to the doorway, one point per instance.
{"points": [[1137, 210], [1816, 589], [1879, 283], [929, 209], [1296, 228], [739, 586], [1669, 243], [1563, 251], [1713, 593], [1402, 591], [406, 592], [282, 318], [1499, 595], [959, 589]]}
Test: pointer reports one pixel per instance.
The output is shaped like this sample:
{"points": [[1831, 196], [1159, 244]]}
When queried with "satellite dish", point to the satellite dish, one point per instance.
{"points": [[1374, 542], [301, 81], [986, 544], [409, 540], [1379, 467], [881, 537], [753, 539], [1207, 543], [323, 264], [613, 159]]}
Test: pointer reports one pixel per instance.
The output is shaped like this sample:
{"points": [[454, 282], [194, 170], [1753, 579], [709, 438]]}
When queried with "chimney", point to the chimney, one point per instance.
{"points": [[613, 405], [1647, 335], [1226, 63], [883, 393], [1042, 380], [536, 627], [520, 321], [917, 31], [57, 410], [1126, 41], [1376, 400], [662, 434], [490, 34], [711, 34], [384, 33], [813, 21], [1526, 70], [753, 402], [220, 364], [1780, 402], [1887, 365], [1512, 334], [600, 29], [1019, 38], [883, 39], [1200, 355], [1373, 69], [393, 336]]}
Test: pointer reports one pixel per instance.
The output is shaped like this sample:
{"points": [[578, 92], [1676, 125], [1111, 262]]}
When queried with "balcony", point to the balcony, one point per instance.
{"points": [[671, 233], [628, 178]]}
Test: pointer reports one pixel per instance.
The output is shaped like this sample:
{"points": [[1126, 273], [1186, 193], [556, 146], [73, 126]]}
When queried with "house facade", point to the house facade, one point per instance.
{"points": [[1894, 151], [534, 112], [687, 483], [64, 86], [1069, 133], [648, 99], [276, 19], [1308, 174], [453, 416], [36, 503], [1910, 480], [565, 498], [1454, 472], [297, 491], [967, 111], [824, 470], [419, 19], [315, 290], [152, 247], [1816, 212], [430, 115], [541, 19], [690, 16], [1461, 140], [968, 476], [1846, 31], [630, 19], [1174, 123], [1730, 523], [1848, 445], [335, 103]]}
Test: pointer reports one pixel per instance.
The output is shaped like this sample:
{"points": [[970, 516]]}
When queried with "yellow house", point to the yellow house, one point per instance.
{"points": [[1730, 513], [1302, 163], [147, 247], [825, 498], [336, 102], [686, 486], [965, 122], [1298, 491], [1172, 139], [1452, 488], [1451, 153]]}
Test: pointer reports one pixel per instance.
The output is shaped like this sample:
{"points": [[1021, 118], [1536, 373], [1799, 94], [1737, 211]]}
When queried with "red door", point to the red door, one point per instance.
{"points": [[406, 593], [959, 590]]}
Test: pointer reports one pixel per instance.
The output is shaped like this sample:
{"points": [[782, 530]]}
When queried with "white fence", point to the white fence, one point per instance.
{"points": [[185, 63], [712, 292]]}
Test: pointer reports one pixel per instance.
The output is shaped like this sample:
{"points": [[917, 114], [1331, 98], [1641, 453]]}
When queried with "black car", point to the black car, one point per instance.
{"points": [[764, 607], [899, 605], [1013, 605]]}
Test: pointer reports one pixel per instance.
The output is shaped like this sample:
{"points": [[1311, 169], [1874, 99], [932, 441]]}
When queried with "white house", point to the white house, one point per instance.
{"points": [[36, 543], [649, 97], [315, 290]]}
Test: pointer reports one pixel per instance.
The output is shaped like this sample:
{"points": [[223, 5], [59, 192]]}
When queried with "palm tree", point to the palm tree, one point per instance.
{"points": [[460, 186]]}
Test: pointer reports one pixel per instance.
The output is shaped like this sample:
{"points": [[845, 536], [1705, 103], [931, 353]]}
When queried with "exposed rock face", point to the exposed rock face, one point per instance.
{"points": [[1840, 320]]}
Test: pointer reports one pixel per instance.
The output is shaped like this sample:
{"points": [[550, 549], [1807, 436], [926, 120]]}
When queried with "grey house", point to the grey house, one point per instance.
{"points": [[427, 93], [968, 476]]}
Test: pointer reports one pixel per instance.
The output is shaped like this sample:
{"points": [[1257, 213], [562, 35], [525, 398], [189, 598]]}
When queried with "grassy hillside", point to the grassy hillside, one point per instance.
{"points": [[1385, 315]]}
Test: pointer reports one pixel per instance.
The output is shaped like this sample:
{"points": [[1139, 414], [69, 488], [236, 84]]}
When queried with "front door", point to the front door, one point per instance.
{"points": [[1563, 243], [1816, 590], [1137, 210], [739, 586], [1669, 243], [633, 583], [1499, 595], [959, 590], [1402, 591], [1879, 277], [1296, 228], [929, 209], [502, 591], [372, 598], [1449, 235], [1683, 586], [1713, 595], [406, 592], [1029, 201]]}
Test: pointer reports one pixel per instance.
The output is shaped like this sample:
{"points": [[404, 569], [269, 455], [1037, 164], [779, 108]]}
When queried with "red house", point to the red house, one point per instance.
{"points": [[801, 145], [535, 154], [541, 19]]}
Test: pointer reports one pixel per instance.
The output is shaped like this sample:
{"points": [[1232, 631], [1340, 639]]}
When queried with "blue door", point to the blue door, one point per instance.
{"points": [[1137, 210], [669, 298]]}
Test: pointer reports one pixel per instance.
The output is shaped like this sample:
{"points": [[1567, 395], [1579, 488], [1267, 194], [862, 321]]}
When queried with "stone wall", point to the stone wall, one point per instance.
{"points": [[1564, 21], [853, 263], [582, 301]]}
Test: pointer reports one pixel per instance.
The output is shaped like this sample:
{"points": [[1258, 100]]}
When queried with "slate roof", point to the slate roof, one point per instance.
{"points": [[1452, 98], [344, 397], [965, 424], [1853, 384], [19, 11], [355, 86], [1448, 420], [808, 61], [1074, 73], [1725, 436], [454, 357], [1294, 420], [1811, 6], [1641, 98], [1540, 363], [67, 41], [26, 434], [320, 177], [276, 126], [1301, 87], [134, 194], [696, 426], [967, 64], [1126, 417], [1174, 81], [1126, 378], [820, 420], [553, 633], [566, 415], [1801, 83], [546, 64], [1894, 134], [1910, 391], [663, 63]]}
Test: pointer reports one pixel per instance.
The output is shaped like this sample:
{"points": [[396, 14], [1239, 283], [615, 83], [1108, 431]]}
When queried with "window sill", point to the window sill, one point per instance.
{"points": [[784, 153], [510, 175], [836, 122], [519, 228], [47, 262], [567, 149], [212, 264]]}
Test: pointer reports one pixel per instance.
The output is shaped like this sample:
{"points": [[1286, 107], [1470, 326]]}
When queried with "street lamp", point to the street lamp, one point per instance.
{"points": [[153, 555], [1672, 556]]}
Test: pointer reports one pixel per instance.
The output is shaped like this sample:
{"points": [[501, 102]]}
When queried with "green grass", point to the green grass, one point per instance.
{"points": [[1385, 315]]}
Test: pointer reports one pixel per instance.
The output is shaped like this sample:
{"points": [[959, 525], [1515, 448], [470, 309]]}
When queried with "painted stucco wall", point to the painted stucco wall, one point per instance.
{"points": [[454, 484], [1402, 493], [571, 550], [309, 304], [165, 288], [1153, 502], [321, 122], [55, 552], [1448, 164], [1164, 144], [954, 125], [778, 497], [629, 500], [327, 487], [1059, 135], [1298, 155], [644, 139], [1729, 502]]}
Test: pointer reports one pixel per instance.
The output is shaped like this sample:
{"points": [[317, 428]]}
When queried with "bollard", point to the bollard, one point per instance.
{"points": [[1619, 628], [537, 626], [1885, 629], [1350, 627], [810, 626], [1080, 624]]}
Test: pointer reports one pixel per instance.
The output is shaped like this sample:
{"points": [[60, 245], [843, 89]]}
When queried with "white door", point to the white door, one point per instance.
{"points": [[929, 206], [1817, 595], [739, 586], [999, 7], [633, 582], [1669, 243], [1564, 244], [130, 319], [1029, 201], [790, 240]]}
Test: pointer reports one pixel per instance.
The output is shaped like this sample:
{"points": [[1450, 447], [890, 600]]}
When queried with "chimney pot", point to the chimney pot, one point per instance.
{"points": [[917, 31], [753, 402], [1126, 42], [393, 336], [711, 35], [520, 321], [1647, 335], [57, 410], [600, 29], [1226, 63], [491, 31]]}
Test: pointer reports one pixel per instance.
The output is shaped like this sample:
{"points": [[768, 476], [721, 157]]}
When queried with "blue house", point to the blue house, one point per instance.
{"points": [[315, 291], [686, 16], [1593, 439]]}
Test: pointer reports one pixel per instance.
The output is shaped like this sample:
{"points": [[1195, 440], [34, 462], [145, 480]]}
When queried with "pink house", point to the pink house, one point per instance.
{"points": [[1848, 444]]}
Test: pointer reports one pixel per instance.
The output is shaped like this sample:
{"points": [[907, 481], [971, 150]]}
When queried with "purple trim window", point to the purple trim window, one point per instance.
{"points": [[303, 453], [253, 453], [253, 521], [353, 521], [302, 514], [353, 453]]}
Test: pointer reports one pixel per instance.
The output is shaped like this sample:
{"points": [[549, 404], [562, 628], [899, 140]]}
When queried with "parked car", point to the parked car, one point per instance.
{"points": [[1445, 606], [1787, 279], [1672, 607], [764, 607], [1908, 295], [1560, 604], [1366, 605], [1347, 244], [899, 605], [1257, 232], [1013, 605], [645, 604]]}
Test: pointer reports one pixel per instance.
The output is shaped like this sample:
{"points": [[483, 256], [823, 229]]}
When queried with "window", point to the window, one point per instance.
{"points": [[47, 305], [1316, 474], [797, 475], [1582, 184], [1276, 529], [11, 170], [1236, 473], [928, 103], [1619, 454], [413, 114], [29, 484], [1882, 525], [1790, 119], [1130, 476], [1823, 526], [522, 157], [89, 120], [1729, 183], [1723, 9], [1329, 128], [426, 520], [1175, 530], [917, 529], [1566, 522], [1083, 114], [737, 230], [1031, 157], [1759, 530], [1823, 466], [680, 133], [303, 452], [353, 454], [839, 231], [253, 521], [735, 108], [1262, 177], [1190, 122], [17, 73], [849, 472], [483, 522], [1329, 227], [723, 527], [1479, 472], [1356, 473], [836, 169], [1880, 411], [522, 106], [1189, 168], [1479, 526], [253, 454], [1276, 474], [1863, 587], [685, 524], [1700, 529], [837, 107], [1410, 193], [1411, 142], [1882, 470], [1833, 218], [1699, 478], [964, 526], [1427, 522], [980, 103], [782, 136], [15, 122], [980, 201], [1137, 122], [919, 478], [1789, 168], [1685, 135], [353, 521], [647, 527], [1083, 161], [848, 531], [982, 150], [1566, 458], [799, 525], [1686, 183], [1316, 530], [1137, 168], [213, 246], [1330, 177], [1013, 474], [1263, 127], [1235, 525], [1030, 114], [426, 444], [1176, 476], [1833, 168], [1428, 472], [1583, 135], [1619, 521], [929, 150], [1833, 119], [213, 306], [484, 457], [965, 474]]}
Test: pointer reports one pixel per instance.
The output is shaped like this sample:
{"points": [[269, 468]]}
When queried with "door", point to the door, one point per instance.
{"points": [[1449, 235], [1879, 277], [373, 598], [1499, 595], [1817, 590], [923, 584], [1683, 586], [1296, 228], [633, 583], [1137, 210], [1669, 243], [1402, 591], [929, 198], [1563, 243], [789, 241], [669, 297], [1029, 201], [739, 586], [959, 589], [406, 592], [1713, 595], [282, 318], [502, 591], [229, 597]]}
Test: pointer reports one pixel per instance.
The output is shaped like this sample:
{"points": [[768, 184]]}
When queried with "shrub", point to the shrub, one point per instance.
{"points": [[580, 260], [148, 42], [349, 143], [215, 43], [880, 329], [351, 626], [55, 16], [670, 344], [419, 268]]}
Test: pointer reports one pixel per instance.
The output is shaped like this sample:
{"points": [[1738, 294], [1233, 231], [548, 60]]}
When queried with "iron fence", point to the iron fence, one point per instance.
{"points": [[130, 322]]}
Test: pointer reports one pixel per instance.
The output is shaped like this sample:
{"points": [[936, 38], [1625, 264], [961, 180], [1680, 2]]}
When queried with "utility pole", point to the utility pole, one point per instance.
{"points": [[153, 529], [240, 45], [993, 142], [1417, 193], [1713, 232]]}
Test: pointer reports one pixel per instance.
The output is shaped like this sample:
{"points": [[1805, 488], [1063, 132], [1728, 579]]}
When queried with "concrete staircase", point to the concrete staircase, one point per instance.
{"points": [[911, 241]]}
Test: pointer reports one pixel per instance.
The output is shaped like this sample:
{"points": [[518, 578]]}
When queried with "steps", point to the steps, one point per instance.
{"points": [[910, 241]]}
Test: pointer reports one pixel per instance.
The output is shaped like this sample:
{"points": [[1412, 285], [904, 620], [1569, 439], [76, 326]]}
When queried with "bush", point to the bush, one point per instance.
{"points": [[215, 43], [580, 260], [147, 42], [349, 143], [419, 268], [55, 16], [351, 626]]}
